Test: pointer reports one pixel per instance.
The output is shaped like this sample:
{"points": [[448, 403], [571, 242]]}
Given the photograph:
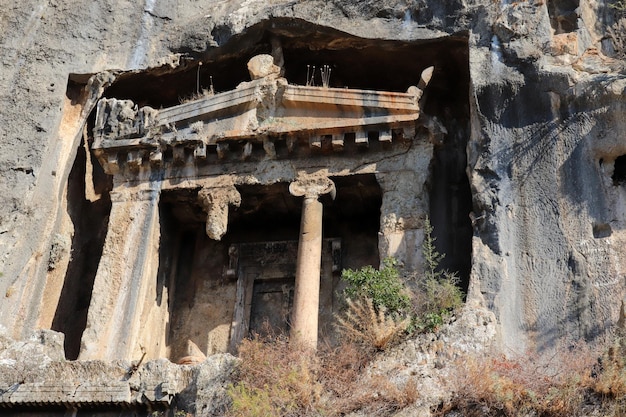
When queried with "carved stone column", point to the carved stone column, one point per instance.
{"points": [[304, 322], [125, 320], [215, 202]]}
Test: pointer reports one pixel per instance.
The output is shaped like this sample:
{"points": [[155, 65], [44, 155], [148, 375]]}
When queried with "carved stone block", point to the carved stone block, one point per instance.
{"points": [[200, 151], [361, 139], [385, 137], [337, 142], [315, 143]]}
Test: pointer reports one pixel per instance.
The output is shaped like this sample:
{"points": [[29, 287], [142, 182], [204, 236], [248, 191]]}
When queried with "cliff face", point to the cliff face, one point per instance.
{"points": [[540, 136]]}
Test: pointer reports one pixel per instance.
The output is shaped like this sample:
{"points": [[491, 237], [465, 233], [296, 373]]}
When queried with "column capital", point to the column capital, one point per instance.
{"points": [[312, 187], [219, 195], [215, 202]]}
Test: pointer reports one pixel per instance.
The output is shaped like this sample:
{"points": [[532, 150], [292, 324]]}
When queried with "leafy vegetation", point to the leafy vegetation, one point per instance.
{"points": [[438, 294], [382, 286], [429, 305], [279, 378], [619, 5], [617, 31]]}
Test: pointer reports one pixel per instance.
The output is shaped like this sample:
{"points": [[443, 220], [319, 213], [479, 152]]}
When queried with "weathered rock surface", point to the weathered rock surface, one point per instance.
{"points": [[34, 374], [545, 140]]}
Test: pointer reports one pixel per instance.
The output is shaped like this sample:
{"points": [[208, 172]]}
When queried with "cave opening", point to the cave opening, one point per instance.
{"points": [[89, 206], [451, 204], [375, 64], [619, 171], [191, 271], [563, 15]]}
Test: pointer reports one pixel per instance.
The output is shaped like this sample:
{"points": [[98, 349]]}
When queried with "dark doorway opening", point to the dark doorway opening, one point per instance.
{"points": [[619, 171]]}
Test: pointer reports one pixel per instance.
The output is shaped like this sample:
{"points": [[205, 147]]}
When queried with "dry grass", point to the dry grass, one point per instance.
{"points": [[610, 381], [276, 378], [566, 384], [205, 93], [376, 330]]}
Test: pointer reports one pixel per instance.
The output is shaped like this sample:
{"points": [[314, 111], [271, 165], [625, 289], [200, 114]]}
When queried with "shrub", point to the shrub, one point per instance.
{"points": [[527, 385], [378, 306], [362, 324], [279, 378], [383, 287], [610, 381], [619, 5], [276, 378], [438, 293]]}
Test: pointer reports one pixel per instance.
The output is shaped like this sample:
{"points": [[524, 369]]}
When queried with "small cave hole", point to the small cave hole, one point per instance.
{"points": [[619, 171], [601, 230], [563, 15]]}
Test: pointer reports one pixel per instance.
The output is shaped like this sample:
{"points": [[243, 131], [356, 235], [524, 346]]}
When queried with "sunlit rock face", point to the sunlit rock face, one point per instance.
{"points": [[518, 157]]}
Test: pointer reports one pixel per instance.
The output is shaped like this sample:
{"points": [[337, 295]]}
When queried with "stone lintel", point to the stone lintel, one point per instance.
{"points": [[41, 395], [344, 97], [385, 137], [361, 138], [49, 394], [337, 143]]}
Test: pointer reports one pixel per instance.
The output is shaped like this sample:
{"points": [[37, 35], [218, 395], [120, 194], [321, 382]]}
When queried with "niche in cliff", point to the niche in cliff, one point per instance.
{"points": [[88, 206], [375, 64], [563, 15], [619, 171], [355, 63]]}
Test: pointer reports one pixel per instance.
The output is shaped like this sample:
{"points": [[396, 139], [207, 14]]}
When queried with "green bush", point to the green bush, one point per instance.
{"points": [[383, 286], [438, 292]]}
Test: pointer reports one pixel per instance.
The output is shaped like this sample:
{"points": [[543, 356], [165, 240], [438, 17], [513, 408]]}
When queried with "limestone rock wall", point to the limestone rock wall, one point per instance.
{"points": [[546, 100], [550, 233]]}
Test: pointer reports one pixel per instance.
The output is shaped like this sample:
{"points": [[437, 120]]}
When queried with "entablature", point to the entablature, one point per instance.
{"points": [[259, 112]]}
